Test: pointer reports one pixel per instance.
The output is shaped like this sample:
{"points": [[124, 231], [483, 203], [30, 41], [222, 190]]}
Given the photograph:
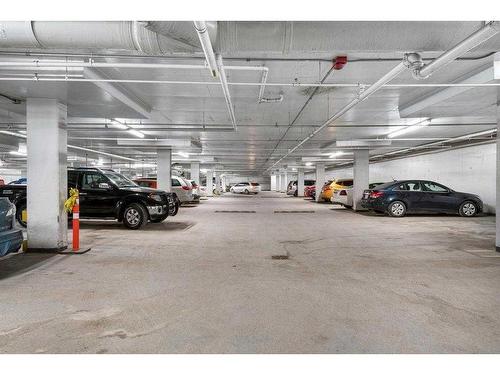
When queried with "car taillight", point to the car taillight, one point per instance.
{"points": [[376, 194], [186, 187], [343, 192]]}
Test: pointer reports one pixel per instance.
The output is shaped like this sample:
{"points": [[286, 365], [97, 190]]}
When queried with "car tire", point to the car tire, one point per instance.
{"points": [[296, 194], [468, 209], [19, 214], [397, 209], [135, 216], [247, 192]]}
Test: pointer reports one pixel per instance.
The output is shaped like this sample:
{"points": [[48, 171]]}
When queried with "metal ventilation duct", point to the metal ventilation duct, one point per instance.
{"points": [[92, 36]]}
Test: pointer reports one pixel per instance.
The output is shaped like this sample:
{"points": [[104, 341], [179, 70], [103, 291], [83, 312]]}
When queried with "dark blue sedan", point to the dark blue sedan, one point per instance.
{"points": [[398, 198]]}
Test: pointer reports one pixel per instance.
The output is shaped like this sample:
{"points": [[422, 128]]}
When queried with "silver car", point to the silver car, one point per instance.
{"points": [[183, 189]]}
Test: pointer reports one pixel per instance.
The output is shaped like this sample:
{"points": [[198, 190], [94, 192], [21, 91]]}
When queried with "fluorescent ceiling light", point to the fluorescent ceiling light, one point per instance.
{"points": [[17, 153], [309, 164], [144, 165], [137, 133], [409, 129], [119, 125], [335, 154], [183, 154]]}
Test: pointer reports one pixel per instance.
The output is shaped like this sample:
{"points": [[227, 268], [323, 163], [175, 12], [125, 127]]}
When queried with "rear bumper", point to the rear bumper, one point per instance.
{"points": [[374, 204]]}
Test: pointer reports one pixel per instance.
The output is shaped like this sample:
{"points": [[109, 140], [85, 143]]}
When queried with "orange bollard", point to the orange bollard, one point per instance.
{"points": [[76, 225]]}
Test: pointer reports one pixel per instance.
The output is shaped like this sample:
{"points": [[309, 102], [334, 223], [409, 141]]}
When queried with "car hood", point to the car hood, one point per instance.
{"points": [[142, 189]]}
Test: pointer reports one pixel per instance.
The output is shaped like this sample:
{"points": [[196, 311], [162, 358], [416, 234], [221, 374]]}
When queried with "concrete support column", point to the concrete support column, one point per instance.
{"points": [[47, 174], [195, 172], [361, 177], [300, 182], [164, 175], [273, 182], [497, 208], [320, 179], [217, 181], [278, 183], [210, 185], [284, 182]]}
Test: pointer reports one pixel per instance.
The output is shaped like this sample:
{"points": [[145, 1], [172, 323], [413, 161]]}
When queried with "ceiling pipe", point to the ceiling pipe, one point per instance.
{"points": [[206, 45], [225, 89], [91, 63], [393, 73], [67, 78], [425, 70]]}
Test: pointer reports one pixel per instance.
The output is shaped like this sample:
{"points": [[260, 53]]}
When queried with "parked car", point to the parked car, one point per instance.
{"points": [[398, 198], [147, 182], [310, 191], [344, 196], [196, 190], [11, 238], [20, 181], [245, 188], [293, 185], [105, 193], [183, 189], [333, 186]]}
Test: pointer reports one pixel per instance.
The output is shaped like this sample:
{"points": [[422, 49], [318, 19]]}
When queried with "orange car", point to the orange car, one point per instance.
{"points": [[332, 186]]}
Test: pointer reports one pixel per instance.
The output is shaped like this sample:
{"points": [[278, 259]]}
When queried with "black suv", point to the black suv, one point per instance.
{"points": [[105, 193]]}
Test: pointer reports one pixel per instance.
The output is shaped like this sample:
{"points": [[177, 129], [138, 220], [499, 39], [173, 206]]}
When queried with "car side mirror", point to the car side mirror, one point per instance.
{"points": [[104, 185]]}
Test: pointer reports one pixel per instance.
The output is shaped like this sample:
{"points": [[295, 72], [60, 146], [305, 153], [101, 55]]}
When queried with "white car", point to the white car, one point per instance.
{"points": [[245, 188], [342, 197], [183, 189]]}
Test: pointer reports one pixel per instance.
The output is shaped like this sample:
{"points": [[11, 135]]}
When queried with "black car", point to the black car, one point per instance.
{"points": [[398, 198], [105, 193]]}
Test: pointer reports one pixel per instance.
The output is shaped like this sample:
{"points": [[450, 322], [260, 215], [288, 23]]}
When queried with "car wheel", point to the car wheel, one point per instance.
{"points": [[246, 191], [135, 216], [468, 209], [296, 194], [19, 214], [397, 209]]}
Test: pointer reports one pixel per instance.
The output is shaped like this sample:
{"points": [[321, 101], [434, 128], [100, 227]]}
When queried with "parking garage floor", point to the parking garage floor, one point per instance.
{"points": [[205, 282]]}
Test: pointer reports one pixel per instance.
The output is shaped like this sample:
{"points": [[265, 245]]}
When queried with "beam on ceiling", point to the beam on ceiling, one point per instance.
{"points": [[118, 92]]}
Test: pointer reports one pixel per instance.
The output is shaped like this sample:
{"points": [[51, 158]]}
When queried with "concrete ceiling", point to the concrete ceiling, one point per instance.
{"points": [[263, 134]]}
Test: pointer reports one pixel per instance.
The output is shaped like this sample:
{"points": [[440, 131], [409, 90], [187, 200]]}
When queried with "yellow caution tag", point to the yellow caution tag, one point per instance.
{"points": [[24, 216]]}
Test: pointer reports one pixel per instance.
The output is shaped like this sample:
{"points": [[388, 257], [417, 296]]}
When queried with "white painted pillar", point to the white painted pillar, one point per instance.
{"points": [[195, 172], [300, 182], [361, 177], [273, 182], [217, 181], [210, 185], [320, 179], [164, 167], [497, 209], [278, 183], [47, 174], [284, 182]]}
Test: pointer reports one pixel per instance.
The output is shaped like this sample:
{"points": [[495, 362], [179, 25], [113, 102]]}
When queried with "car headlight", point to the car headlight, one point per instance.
{"points": [[10, 212], [156, 197]]}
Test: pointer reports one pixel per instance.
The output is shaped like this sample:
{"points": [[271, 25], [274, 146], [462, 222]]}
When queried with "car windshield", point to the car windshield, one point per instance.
{"points": [[119, 180]]}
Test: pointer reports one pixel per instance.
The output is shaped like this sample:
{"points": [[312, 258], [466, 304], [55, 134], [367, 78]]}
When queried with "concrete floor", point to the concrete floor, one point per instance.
{"points": [[205, 282]]}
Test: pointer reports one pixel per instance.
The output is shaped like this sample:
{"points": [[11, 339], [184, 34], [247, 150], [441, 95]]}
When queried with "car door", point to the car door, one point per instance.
{"points": [[439, 198], [98, 196], [410, 192]]}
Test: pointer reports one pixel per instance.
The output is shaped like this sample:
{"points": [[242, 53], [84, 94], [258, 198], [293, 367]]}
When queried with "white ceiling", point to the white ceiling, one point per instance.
{"points": [[263, 133]]}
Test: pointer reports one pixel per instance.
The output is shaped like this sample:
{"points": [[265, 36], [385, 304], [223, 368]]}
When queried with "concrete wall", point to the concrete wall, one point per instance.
{"points": [[468, 169]]}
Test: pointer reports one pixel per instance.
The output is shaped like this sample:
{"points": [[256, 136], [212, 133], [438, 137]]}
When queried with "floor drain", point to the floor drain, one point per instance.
{"points": [[235, 212], [294, 212]]}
